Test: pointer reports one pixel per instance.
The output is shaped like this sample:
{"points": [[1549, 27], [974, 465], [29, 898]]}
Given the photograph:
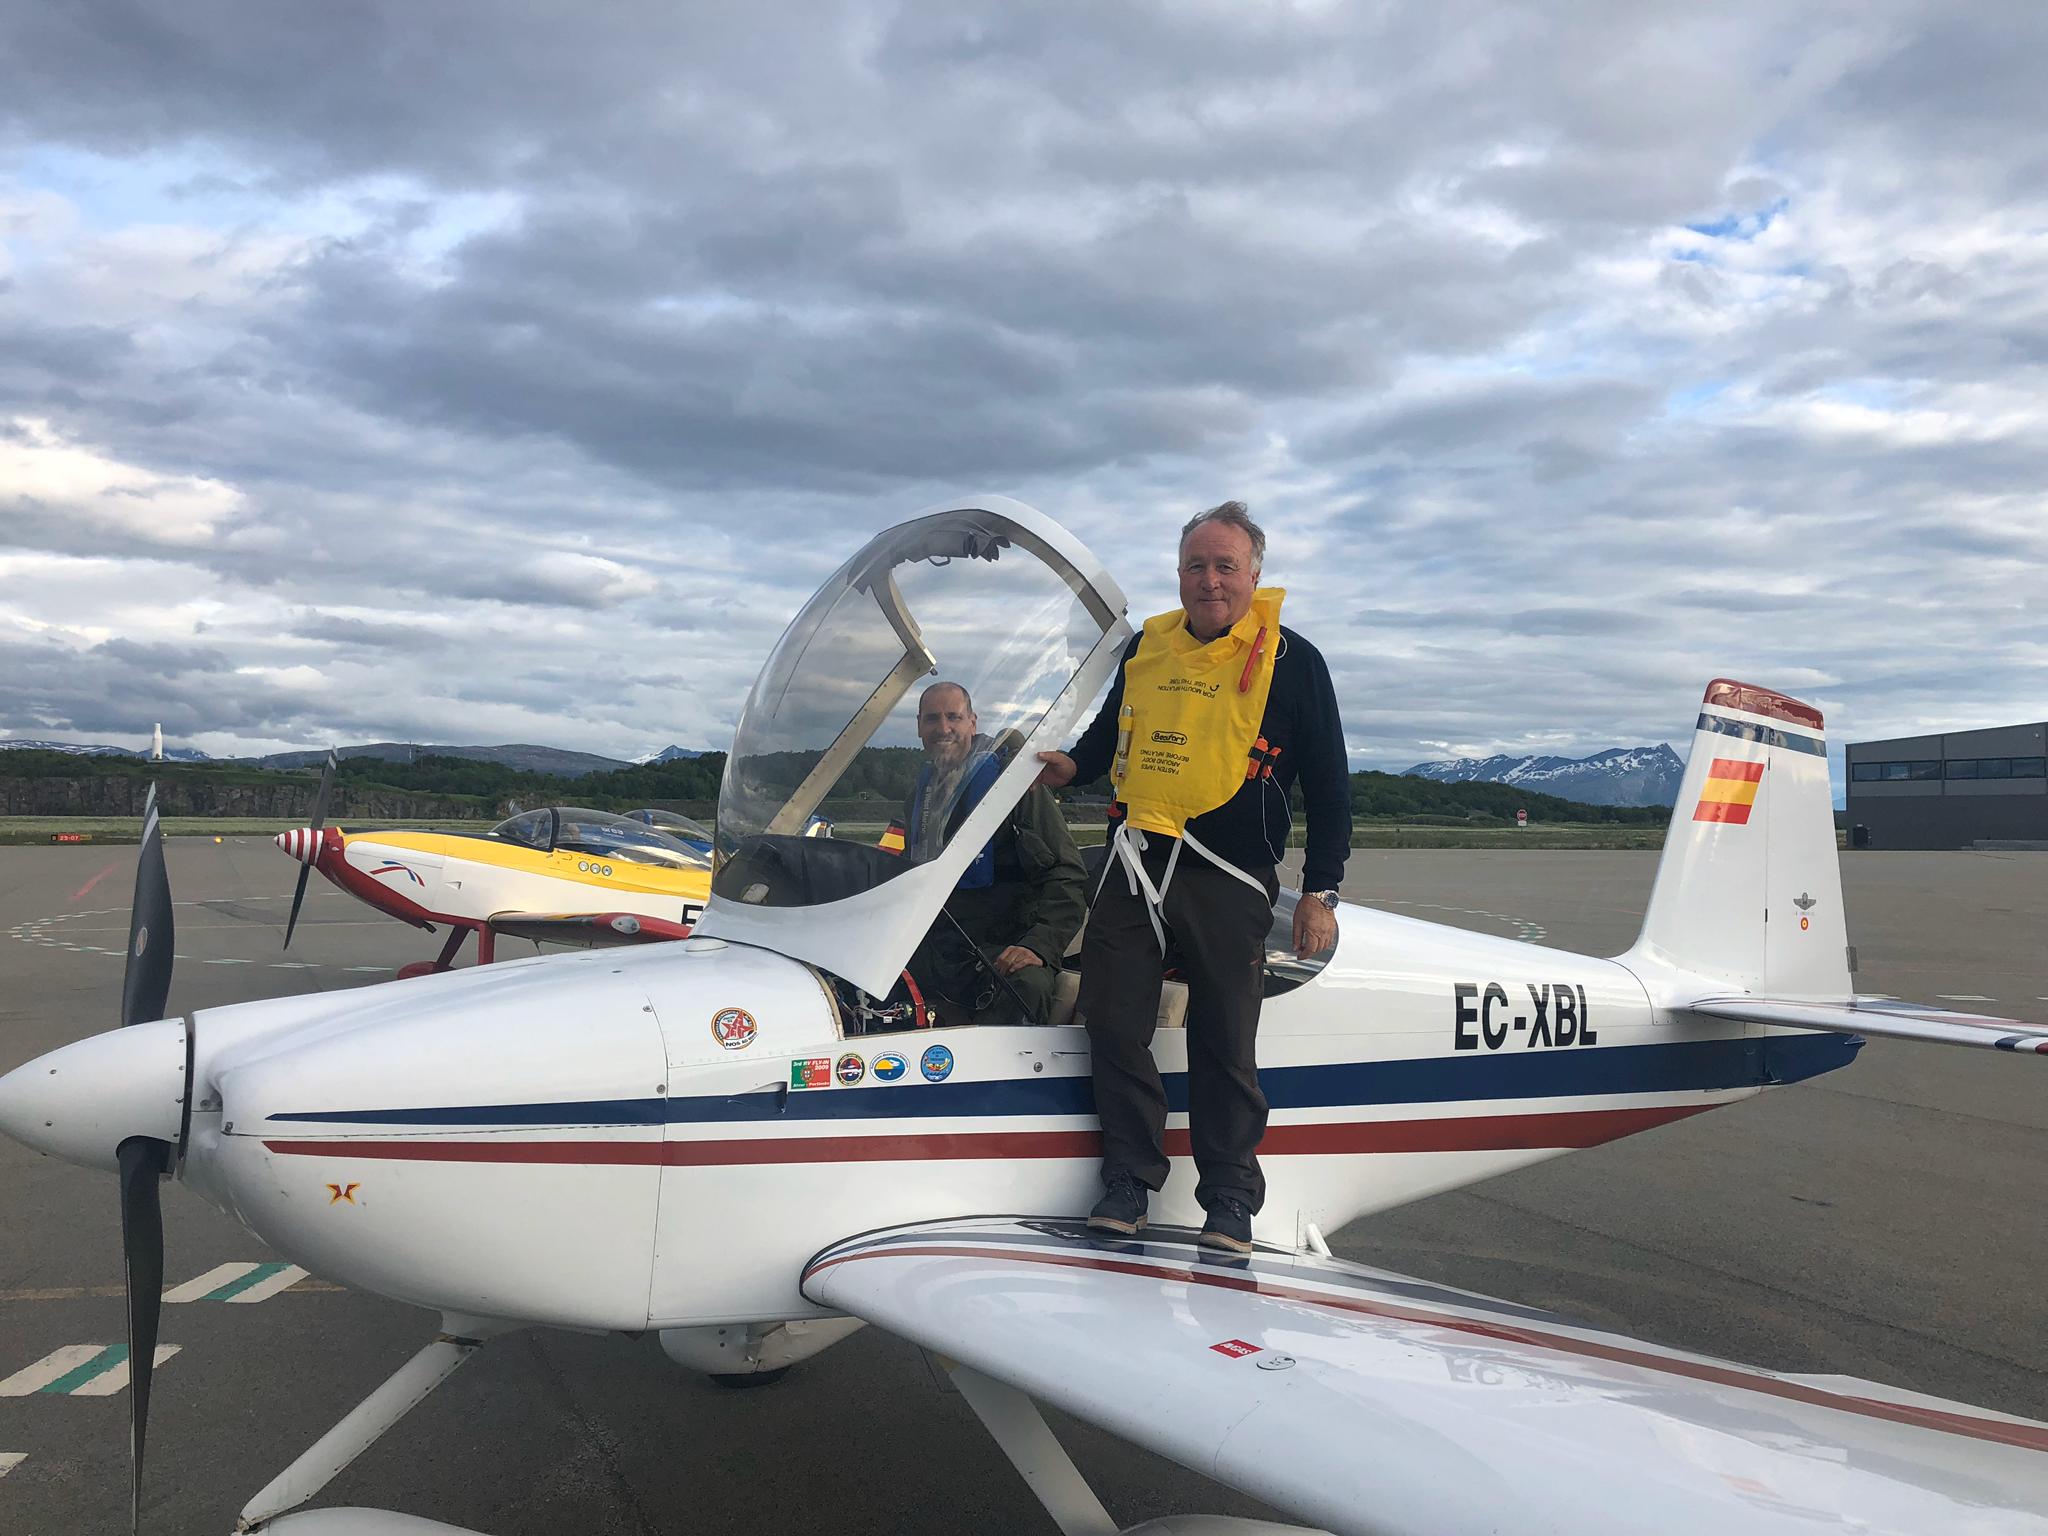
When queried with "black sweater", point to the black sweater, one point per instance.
{"points": [[1250, 829]]}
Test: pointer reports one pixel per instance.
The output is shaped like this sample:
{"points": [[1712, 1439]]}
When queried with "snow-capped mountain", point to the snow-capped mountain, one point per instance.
{"points": [[668, 754], [1617, 776], [99, 749]]}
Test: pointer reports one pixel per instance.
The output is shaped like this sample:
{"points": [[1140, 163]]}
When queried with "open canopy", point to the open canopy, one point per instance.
{"points": [[988, 595]]}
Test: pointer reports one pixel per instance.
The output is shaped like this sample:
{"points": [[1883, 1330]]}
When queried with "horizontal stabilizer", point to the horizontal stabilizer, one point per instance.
{"points": [[1372, 1404], [587, 930], [1896, 1021]]}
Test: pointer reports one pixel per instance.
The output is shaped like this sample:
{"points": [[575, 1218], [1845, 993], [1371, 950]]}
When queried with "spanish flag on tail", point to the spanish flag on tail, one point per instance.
{"points": [[1729, 791], [892, 838]]}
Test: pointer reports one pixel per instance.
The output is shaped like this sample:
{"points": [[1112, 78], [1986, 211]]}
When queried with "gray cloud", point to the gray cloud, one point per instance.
{"points": [[526, 350]]}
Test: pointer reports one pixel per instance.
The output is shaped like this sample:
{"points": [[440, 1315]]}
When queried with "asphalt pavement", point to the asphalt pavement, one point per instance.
{"points": [[1883, 1221]]}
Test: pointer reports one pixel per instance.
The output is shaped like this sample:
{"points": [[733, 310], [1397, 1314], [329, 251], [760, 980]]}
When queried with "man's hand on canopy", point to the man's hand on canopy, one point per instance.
{"points": [[1058, 771]]}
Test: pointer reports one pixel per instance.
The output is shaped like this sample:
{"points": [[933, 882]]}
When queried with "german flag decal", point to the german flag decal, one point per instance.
{"points": [[1729, 792]]}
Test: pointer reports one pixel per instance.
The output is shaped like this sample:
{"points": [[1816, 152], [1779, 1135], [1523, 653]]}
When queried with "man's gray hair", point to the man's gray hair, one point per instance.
{"points": [[1233, 514]]}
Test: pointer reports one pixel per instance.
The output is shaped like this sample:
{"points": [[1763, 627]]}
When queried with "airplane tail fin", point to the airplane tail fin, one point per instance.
{"points": [[1749, 892]]}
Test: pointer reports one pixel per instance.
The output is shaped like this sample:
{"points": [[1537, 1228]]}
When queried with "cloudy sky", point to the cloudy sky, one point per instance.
{"points": [[508, 372]]}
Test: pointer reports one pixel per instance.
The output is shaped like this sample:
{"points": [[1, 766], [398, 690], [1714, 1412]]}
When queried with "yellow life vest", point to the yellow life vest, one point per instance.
{"points": [[1191, 714]]}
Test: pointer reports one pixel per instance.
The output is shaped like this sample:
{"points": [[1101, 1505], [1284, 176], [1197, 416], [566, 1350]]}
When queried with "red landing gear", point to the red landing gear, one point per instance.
{"points": [[486, 951]]}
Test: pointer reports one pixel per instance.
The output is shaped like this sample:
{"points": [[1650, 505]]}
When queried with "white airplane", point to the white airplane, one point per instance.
{"points": [[448, 1142]]}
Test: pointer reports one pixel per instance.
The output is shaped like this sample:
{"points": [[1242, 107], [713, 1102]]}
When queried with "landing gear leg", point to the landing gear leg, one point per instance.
{"points": [[444, 961], [486, 946], [366, 1423], [1016, 1425]]}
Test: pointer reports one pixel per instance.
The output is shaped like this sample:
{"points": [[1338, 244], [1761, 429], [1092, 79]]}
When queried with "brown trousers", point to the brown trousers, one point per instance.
{"points": [[1216, 926]]}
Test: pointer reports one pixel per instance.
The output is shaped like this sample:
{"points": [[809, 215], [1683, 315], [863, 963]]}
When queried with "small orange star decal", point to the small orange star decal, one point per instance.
{"points": [[337, 1193]]}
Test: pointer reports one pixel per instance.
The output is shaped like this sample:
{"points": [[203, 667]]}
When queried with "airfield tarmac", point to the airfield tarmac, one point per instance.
{"points": [[1884, 1221]]}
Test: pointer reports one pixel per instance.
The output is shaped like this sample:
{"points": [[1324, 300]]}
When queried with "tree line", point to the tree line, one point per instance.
{"points": [[880, 777]]}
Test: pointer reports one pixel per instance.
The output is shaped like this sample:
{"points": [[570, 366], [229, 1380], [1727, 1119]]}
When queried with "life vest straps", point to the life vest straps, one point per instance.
{"points": [[1127, 846]]}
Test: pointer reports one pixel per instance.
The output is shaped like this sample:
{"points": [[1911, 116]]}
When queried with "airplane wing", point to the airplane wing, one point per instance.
{"points": [[1872, 1016], [1371, 1404], [587, 930]]}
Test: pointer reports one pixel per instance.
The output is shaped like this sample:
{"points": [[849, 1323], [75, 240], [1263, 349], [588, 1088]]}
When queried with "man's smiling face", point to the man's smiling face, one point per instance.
{"points": [[1217, 578], [945, 723]]}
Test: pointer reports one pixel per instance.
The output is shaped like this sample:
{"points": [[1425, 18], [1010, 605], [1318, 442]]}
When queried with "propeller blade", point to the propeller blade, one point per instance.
{"points": [[306, 870], [298, 897], [152, 936], [144, 1160], [326, 789]]}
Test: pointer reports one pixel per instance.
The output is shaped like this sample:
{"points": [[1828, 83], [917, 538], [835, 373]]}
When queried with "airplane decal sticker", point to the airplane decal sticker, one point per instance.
{"points": [[936, 1063], [811, 1072], [393, 867], [889, 1067], [733, 1028], [342, 1194], [1729, 792], [852, 1069]]}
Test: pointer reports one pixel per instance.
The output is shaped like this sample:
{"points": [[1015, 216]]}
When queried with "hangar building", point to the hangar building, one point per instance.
{"points": [[1950, 791]]}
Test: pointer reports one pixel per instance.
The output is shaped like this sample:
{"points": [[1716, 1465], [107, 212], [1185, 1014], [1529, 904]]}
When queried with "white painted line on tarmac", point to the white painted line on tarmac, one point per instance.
{"points": [[58, 1362], [79, 1370], [109, 1377], [1964, 997], [292, 965], [238, 1282], [9, 1460], [385, 970], [227, 962]]}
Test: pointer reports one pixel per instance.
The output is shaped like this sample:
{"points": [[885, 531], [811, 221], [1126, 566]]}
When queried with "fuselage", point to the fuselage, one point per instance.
{"points": [[681, 1127], [466, 879]]}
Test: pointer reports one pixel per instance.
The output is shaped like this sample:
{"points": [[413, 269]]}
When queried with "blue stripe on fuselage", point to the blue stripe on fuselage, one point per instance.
{"points": [[1677, 1067]]}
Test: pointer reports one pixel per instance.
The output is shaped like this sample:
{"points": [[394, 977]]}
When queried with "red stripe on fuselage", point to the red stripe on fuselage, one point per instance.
{"points": [[2029, 1436], [1474, 1133]]}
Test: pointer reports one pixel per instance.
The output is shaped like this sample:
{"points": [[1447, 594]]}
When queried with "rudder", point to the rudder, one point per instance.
{"points": [[1749, 890]]}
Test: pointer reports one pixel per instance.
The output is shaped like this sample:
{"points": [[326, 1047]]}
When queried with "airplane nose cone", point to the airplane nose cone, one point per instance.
{"points": [[302, 843], [82, 1100]]}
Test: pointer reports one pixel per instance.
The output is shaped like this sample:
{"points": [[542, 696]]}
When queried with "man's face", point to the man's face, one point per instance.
{"points": [[946, 726], [1217, 578]]}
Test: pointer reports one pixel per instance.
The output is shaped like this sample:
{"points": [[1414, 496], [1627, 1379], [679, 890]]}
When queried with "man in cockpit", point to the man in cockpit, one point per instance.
{"points": [[1021, 901]]}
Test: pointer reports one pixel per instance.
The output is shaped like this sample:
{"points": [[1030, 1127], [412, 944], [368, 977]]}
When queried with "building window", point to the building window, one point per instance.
{"points": [[1923, 770], [1865, 773], [1962, 767], [1994, 767], [1893, 771], [2030, 767]]}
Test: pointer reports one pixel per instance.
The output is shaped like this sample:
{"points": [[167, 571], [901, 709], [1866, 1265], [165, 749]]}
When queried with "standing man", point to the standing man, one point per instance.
{"points": [[1214, 715], [1020, 902]]}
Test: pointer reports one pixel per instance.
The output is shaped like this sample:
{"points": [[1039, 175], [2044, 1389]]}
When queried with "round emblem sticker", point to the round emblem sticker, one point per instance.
{"points": [[733, 1028], [936, 1063], [888, 1068], [851, 1068]]}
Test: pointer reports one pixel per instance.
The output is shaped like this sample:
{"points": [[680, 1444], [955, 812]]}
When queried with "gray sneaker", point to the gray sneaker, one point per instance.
{"points": [[1122, 1206]]}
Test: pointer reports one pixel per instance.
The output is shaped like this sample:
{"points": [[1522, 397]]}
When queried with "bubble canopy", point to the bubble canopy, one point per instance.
{"points": [[990, 597]]}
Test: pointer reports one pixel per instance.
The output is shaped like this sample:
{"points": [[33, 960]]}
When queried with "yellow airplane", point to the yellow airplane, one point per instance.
{"points": [[562, 874]]}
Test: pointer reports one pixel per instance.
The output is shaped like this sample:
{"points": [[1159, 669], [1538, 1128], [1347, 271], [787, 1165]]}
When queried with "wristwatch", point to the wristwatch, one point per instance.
{"points": [[1327, 898]]}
